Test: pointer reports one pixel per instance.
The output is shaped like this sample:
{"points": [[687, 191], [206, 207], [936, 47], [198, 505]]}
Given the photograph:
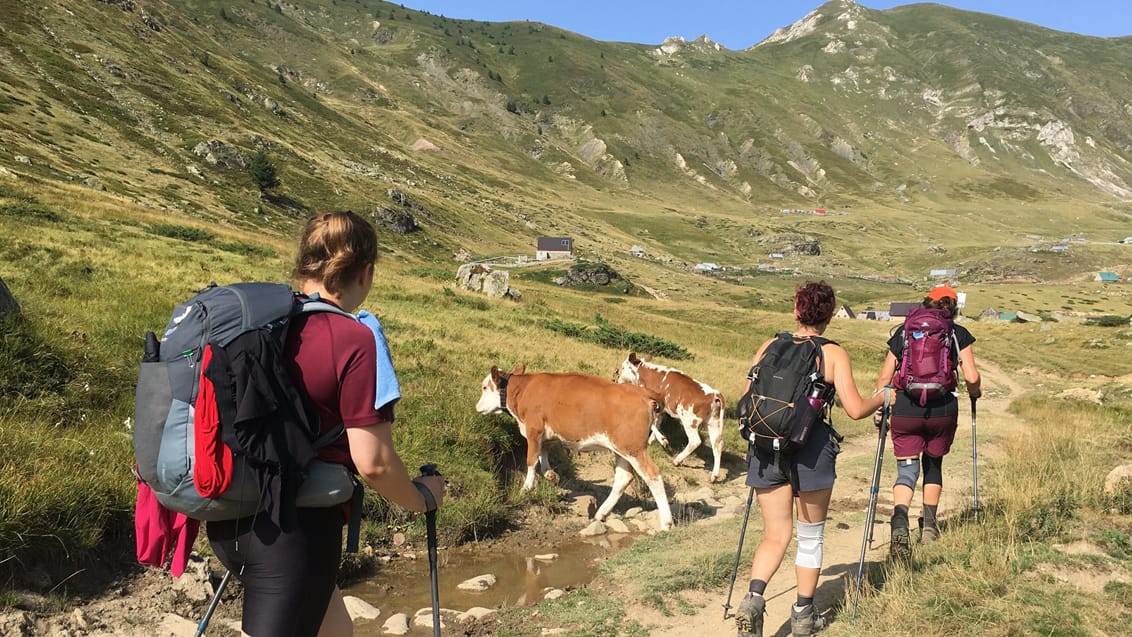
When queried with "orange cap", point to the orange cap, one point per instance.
{"points": [[940, 292]]}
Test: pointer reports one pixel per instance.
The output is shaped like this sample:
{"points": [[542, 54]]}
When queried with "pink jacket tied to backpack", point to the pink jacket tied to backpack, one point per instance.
{"points": [[161, 532]]}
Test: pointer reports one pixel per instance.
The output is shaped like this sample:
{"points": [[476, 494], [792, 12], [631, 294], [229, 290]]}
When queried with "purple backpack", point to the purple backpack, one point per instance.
{"points": [[926, 370]]}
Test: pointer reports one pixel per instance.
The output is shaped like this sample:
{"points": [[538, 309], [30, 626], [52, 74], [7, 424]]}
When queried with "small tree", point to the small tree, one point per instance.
{"points": [[263, 171]]}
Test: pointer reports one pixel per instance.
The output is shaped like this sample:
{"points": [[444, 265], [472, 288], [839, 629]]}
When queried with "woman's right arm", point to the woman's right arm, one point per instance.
{"points": [[378, 464], [855, 405], [887, 371], [970, 374]]}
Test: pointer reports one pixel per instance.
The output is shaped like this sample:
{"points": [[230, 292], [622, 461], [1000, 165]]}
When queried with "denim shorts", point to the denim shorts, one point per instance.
{"points": [[815, 464]]}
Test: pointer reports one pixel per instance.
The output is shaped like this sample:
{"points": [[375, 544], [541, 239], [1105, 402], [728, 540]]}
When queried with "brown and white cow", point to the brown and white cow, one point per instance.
{"points": [[685, 399], [587, 413]]}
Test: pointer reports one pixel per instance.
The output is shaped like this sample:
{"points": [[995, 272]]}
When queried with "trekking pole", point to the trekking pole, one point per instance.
{"points": [[974, 460], [886, 413], [213, 604], [870, 512], [738, 552], [430, 525]]}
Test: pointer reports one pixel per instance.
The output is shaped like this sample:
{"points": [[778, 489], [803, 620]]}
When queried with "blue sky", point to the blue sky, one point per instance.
{"points": [[738, 24]]}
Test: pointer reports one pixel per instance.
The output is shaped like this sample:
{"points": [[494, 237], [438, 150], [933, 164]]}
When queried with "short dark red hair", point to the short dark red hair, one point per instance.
{"points": [[815, 303]]}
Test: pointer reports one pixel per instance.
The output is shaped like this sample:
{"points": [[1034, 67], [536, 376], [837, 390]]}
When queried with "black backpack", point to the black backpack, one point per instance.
{"points": [[786, 396]]}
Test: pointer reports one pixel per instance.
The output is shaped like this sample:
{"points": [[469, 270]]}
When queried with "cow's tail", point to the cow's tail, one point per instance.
{"points": [[717, 408], [656, 416], [656, 406]]}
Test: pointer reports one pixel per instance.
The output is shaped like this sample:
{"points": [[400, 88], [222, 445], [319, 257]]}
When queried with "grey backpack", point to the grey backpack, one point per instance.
{"points": [[269, 471]]}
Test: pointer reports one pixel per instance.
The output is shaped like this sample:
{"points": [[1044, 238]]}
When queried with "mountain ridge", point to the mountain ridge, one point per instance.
{"points": [[503, 131]]}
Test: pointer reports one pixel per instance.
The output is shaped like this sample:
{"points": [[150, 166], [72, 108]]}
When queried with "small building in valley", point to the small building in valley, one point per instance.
{"points": [[899, 311], [554, 248]]}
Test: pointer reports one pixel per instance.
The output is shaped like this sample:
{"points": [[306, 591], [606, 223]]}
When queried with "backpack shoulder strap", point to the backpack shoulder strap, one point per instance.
{"points": [[315, 305], [819, 343]]}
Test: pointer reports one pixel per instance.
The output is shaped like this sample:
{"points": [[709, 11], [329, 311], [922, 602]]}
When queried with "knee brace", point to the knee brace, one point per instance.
{"points": [[809, 535], [908, 472], [933, 470]]}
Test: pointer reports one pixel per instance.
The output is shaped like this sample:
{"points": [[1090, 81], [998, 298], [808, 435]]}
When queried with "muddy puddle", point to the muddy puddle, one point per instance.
{"points": [[521, 578]]}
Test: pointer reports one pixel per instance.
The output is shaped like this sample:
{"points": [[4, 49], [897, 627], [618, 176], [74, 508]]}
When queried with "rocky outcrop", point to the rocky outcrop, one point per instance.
{"points": [[8, 303], [1118, 480], [397, 220], [407, 203], [402, 217], [222, 155], [479, 277], [594, 275], [811, 248]]}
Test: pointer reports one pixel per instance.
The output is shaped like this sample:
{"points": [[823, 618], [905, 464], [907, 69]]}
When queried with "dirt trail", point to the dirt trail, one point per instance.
{"points": [[843, 536], [149, 602]]}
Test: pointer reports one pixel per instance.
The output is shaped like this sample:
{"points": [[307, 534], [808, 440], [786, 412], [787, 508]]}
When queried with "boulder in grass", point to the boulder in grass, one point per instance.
{"points": [[1119, 480], [8, 303]]}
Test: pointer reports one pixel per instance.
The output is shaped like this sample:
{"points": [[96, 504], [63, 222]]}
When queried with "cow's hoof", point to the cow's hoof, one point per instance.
{"points": [[551, 476], [715, 477]]}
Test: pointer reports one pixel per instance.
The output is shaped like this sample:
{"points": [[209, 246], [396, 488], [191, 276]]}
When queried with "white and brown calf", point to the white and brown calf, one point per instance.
{"points": [[685, 399], [587, 413]]}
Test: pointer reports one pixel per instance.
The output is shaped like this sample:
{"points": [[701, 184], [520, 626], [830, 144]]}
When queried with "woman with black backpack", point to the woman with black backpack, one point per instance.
{"points": [[922, 358], [799, 478]]}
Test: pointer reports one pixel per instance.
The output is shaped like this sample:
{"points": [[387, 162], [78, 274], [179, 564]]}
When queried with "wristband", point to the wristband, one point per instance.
{"points": [[426, 494]]}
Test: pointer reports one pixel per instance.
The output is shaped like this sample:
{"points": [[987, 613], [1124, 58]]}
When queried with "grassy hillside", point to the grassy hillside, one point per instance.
{"points": [[922, 124]]}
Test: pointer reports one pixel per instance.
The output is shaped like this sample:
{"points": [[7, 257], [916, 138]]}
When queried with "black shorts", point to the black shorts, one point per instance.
{"points": [[287, 577], [815, 464]]}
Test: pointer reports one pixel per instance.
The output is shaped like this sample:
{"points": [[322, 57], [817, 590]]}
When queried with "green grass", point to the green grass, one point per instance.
{"points": [[581, 614], [1000, 576]]}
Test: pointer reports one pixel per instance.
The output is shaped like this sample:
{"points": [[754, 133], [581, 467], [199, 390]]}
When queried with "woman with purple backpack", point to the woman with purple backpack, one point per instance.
{"points": [[926, 355]]}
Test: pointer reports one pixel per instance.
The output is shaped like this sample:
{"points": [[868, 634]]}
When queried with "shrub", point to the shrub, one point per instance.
{"points": [[612, 337], [1110, 320], [29, 210], [263, 171], [246, 249], [184, 233]]}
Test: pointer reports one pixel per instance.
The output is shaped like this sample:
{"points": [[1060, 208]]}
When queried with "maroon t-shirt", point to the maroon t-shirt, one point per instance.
{"points": [[334, 359]]}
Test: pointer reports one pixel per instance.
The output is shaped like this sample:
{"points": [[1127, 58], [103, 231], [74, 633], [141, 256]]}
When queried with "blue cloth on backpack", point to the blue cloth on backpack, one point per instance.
{"points": [[388, 390]]}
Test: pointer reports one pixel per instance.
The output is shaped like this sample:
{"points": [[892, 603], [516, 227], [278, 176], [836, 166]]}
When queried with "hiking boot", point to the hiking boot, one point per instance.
{"points": [[929, 532], [806, 622], [900, 544], [749, 617]]}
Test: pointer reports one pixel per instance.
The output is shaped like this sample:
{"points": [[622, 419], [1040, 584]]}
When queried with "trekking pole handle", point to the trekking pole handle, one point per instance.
{"points": [[426, 493], [430, 525]]}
